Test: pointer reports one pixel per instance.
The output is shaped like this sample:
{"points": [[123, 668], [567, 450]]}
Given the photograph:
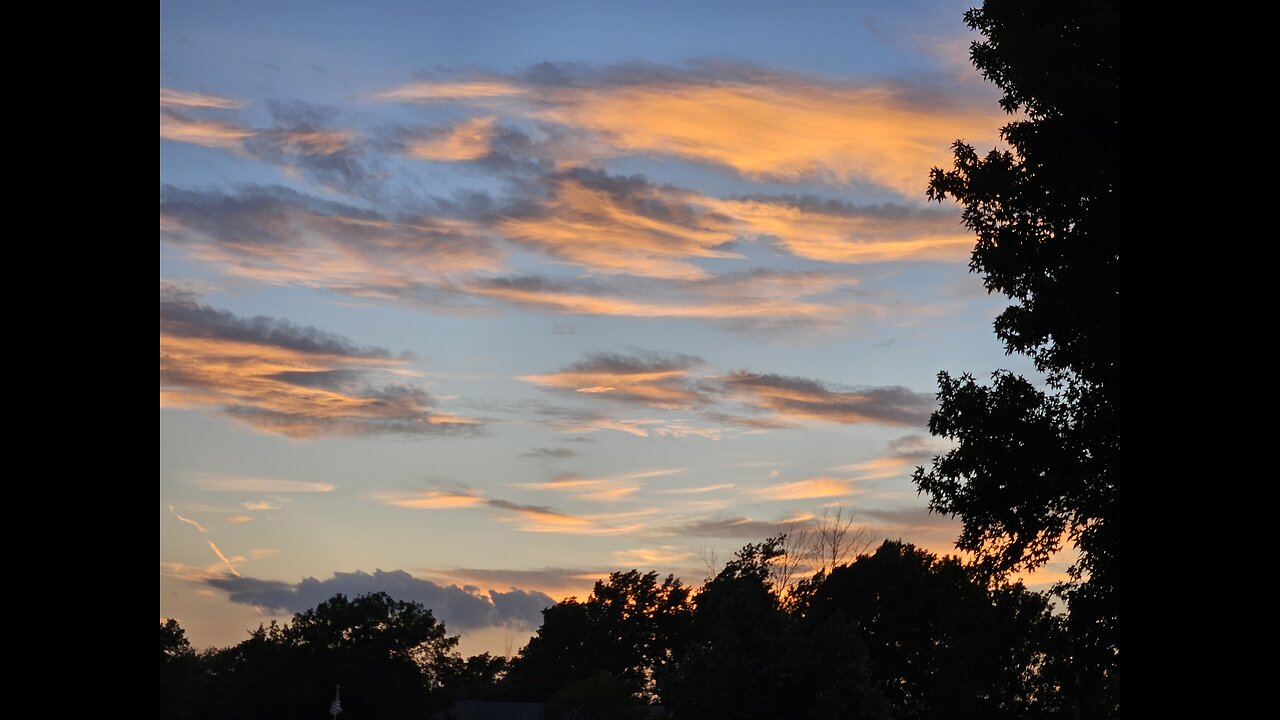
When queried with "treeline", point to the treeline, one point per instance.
{"points": [[897, 633]]}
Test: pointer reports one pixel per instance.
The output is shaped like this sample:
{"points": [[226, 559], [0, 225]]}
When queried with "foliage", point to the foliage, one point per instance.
{"points": [[943, 644], [599, 697], [631, 626], [750, 659], [1036, 466]]}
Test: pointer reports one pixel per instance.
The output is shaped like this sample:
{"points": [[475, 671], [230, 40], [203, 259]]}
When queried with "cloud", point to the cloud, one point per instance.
{"points": [[226, 562], [527, 518], [651, 379], [618, 225], [470, 139], [903, 454], [603, 489], [209, 133], [262, 504], [739, 400], [181, 98], [697, 490], [812, 488], [665, 555], [803, 398], [280, 236], [763, 125], [189, 521], [460, 609], [239, 519], [224, 483], [545, 453], [434, 91], [285, 379], [725, 527]]}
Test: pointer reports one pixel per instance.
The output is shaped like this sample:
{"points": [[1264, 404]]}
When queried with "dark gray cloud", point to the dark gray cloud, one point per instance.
{"points": [[805, 398], [181, 315], [545, 453], [459, 608]]}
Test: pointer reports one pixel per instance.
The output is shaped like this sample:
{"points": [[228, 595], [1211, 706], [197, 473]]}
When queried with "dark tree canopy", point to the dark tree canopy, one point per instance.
{"points": [[630, 627], [1035, 464]]}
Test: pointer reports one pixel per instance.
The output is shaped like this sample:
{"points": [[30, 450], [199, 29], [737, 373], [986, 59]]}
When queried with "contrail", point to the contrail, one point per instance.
{"points": [[223, 558], [188, 521]]}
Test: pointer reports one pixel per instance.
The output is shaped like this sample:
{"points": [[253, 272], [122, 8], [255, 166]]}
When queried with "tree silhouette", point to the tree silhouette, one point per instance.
{"points": [[1035, 466], [630, 627], [942, 643]]}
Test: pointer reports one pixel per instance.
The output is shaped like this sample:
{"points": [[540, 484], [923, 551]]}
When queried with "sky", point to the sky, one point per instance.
{"points": [[477, 302]]}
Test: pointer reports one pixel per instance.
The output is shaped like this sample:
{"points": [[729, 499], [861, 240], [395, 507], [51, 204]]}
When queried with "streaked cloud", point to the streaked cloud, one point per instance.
{"points": [[225, 561], [183, 98], [545, 453], [234, 483], [431, 91], [458, 608], [209, 133], [665, 555], [652, 379], [283, 237], [903, 454], [812, 488], [526, 518], [804, 398], [468, 140], [239, 519], [697, 490], [761, 124], [188, 521], [739, 400], [284, 379]]}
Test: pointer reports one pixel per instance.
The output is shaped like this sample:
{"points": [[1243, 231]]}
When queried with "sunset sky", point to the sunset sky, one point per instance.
{"points": [[476, 302]]}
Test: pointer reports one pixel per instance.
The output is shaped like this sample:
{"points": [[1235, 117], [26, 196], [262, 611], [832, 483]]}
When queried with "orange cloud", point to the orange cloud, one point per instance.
{"points": [[665, 555], [429, 91], [285, 380], [468, 140], [606, 232], [182, 98], [209, 133], [819, 487], [431, 500], [239, 519], [782, 128]]}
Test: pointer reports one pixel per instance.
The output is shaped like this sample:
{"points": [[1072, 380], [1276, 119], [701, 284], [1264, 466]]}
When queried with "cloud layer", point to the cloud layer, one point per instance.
{"points": [[286, 379], [459, 608]]}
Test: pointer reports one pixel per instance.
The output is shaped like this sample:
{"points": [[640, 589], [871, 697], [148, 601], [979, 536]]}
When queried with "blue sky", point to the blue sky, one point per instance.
{"points": [[477, 302]]}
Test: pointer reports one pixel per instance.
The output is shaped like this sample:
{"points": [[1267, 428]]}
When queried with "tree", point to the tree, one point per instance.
{"points": [[390, 657], [631, 626], [749, 659], [942, 643], [1035, 466]]}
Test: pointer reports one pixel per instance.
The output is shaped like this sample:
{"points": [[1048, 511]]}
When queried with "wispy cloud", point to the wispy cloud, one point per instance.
{"points": [[697, 490], [902, 455], [527, 518], [652, 379], [209, 133], [226, 562], [188, 521], [663, 556], [285, 379], [804, 398], [740, 400], [183, 98], [812, 488], [236, 483], [468, 140], [764, 125]]}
